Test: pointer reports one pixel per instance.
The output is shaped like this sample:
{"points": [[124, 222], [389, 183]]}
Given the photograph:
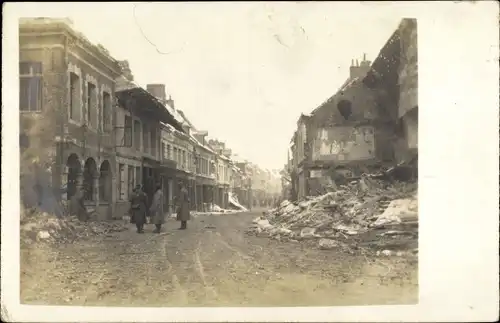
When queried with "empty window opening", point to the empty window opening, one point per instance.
{"points": [[345, 109]]}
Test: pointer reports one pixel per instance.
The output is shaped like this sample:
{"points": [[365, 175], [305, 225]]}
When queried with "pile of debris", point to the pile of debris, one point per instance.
{"points": [[235, 204], [214, 209], [42, 227], [364, 213]]}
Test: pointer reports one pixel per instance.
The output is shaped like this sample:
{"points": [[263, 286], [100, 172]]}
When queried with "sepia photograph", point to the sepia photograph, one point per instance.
{"points": [[253, 154]]}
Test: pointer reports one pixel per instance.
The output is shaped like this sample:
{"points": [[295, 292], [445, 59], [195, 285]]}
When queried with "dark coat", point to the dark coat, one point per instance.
{"points": [[138, 206], [183, 206], [156, 210]]}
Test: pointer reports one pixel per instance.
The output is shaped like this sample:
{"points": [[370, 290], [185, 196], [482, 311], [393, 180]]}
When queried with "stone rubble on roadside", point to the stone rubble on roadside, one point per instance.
{"points": [[342, 216], [327, 244], [214, 209], [45, 227]]}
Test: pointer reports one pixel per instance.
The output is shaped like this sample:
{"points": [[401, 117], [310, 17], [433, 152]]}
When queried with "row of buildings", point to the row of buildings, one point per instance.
{"points": [[90, 127], [371, 121]]}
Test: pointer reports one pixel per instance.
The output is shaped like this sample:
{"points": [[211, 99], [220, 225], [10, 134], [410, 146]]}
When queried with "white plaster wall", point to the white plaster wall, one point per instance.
{"points": [[344, 143]]}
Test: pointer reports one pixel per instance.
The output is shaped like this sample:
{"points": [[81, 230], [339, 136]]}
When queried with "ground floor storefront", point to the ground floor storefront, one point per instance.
{"points": [[205, 193], [129, 174], [221, 196]]}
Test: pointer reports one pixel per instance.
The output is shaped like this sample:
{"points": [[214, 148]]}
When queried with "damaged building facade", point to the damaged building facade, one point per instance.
{"points": [[371, 121], [67, 89]]}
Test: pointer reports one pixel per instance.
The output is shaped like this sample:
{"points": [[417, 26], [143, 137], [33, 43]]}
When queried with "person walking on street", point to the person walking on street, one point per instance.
{"points": [[138, 205], [156, 209], [182, 201]]}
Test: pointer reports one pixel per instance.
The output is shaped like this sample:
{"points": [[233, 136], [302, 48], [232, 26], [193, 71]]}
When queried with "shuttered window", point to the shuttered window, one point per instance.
{"points": [[30, 86]]}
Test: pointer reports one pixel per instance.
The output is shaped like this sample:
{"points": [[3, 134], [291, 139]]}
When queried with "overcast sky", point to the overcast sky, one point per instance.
{"points": [[242, 71]]}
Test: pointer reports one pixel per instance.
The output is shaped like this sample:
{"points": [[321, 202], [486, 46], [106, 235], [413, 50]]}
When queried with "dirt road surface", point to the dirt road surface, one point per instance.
{"points": [[213, 263]]}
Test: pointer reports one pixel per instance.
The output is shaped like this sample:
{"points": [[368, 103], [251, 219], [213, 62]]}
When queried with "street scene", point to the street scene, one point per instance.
{"points": [[145, 185]]}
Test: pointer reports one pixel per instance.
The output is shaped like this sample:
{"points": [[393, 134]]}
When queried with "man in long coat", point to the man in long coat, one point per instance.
{"points": [[138, 206], [182, 201], [156, 209]]}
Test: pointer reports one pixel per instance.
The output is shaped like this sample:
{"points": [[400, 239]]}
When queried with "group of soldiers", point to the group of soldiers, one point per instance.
{"points": [[140, 208], [139, 211]]}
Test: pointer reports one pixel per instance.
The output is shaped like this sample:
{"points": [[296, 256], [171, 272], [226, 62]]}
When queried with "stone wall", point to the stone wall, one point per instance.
{"points": [[39, 160], [408, 80], [408, 71], [49, 136], [362, 105], [344, 143]]}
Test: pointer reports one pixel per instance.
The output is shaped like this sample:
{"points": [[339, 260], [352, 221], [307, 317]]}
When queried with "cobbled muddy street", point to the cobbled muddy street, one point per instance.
{"points": [[212, 263]]}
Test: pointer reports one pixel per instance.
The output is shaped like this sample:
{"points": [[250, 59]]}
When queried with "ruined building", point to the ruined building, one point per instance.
{"points": [[370, 121]]}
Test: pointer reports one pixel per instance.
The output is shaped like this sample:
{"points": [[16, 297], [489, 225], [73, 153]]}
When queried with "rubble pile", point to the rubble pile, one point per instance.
{"points": [[38, 227], [214, 209], [235, 204], [362, 213]]}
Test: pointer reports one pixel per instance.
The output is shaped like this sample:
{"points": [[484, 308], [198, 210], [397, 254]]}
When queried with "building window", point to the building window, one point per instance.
{"points": [[152, 148], [131, 181], [30, 86], [74, 97], [128, 132], [163, 151], [137, 135], [184, 159], [105, 182], [169, 152], [121, 182], [145, 138], [106, 111], [138, 177], [91, 105]]}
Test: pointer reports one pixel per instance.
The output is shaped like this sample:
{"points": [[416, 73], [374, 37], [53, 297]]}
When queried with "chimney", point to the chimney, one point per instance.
{"points": [[359, 70], [171, 102], [157, 90]]}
